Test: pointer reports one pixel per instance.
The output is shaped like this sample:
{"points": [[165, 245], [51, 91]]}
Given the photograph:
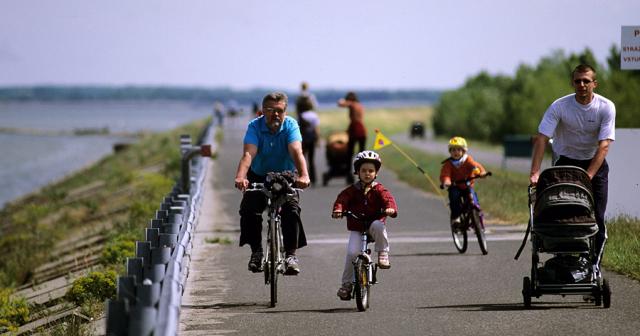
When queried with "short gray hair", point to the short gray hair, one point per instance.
{"points": [[276, 96]]}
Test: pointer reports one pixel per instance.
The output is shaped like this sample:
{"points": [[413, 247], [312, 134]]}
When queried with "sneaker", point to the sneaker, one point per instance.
{"points": [[255, 262], [344, 293], [455, 223], [383, 260], [292, 265]]}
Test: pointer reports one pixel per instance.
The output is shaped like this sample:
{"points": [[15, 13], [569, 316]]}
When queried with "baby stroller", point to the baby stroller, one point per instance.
{"points": [[336, 153], [562, 223]]}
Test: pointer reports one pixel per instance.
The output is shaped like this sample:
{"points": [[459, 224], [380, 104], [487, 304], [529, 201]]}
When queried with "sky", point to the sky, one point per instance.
{"points": [[332, 44]]}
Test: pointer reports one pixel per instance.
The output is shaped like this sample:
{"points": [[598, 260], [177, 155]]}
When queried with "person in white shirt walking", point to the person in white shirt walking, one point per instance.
{"points": [[582, 126]]}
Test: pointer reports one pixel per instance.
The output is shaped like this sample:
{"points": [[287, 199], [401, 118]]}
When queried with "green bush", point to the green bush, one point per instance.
{"points": [[97, 286], [118, 250], [490, 107], [14, 312]]}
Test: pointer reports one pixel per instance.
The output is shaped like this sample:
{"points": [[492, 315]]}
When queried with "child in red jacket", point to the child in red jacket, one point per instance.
{"points": [[370, 200], [457, 167]]}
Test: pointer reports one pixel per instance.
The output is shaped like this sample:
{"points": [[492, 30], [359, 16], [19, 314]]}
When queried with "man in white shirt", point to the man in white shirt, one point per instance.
{"points": [[582, 126]]}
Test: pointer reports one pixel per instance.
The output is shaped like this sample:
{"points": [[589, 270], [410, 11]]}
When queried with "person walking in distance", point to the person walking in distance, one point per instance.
{"points": [[357, 132], [272, 143], [582, 125], [306, 106]]}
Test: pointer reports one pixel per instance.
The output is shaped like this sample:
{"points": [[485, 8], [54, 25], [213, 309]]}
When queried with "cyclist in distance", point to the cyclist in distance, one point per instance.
{"points": [[369, 199], [272, 143], [457, 167]]}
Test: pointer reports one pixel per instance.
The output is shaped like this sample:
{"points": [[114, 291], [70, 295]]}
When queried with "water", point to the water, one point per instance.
{"points": [[34, 156]]}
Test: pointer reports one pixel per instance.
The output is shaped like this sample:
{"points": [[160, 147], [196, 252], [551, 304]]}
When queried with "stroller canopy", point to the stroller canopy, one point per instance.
{"points": [[564, 203]]}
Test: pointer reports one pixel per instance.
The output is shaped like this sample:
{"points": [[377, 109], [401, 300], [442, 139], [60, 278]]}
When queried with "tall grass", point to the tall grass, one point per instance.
{"points": [[133, 183], [622, 251], [388, 120]]}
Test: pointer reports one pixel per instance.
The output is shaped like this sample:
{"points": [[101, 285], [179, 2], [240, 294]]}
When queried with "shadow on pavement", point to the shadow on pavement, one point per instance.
{"points": [[431, 254], [228, 305], [326, 311], [514, 306]]}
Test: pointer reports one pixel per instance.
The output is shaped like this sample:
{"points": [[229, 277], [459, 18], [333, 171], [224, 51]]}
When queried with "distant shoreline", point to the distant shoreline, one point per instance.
{"points": [[209, 95]]}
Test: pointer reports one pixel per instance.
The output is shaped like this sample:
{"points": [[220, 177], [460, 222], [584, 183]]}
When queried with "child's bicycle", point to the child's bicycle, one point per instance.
{"points": [[278, 191], [470, 217], [364, 269]]}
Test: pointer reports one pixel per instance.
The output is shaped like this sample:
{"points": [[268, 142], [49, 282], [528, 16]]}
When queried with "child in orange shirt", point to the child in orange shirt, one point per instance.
{"points": [[457, 167]]}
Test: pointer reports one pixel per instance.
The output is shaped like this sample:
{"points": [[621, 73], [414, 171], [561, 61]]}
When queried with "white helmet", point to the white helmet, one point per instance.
{"points": [[366, 156]]}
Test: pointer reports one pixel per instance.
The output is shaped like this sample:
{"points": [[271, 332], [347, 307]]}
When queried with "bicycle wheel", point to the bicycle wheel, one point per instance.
{"points": [[362, 286], [477, 227], [459, 235], [274, 253]]}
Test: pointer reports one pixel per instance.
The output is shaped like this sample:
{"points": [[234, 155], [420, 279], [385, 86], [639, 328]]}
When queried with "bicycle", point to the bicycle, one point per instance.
{"points": [[364, 269], [278, 190], [470, 217]]}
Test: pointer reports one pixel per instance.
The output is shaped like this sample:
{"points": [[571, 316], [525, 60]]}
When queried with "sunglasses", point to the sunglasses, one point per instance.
{"points": [[273, 110], [582, 81]]}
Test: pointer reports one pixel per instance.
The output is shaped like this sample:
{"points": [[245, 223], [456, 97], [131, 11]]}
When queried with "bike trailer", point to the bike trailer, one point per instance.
{"points": [[336, 152]]}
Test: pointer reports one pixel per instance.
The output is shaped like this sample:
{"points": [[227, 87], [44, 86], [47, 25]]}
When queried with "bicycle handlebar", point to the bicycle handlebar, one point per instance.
{"points": [[258, 186], [362, 217], [469, 179]]}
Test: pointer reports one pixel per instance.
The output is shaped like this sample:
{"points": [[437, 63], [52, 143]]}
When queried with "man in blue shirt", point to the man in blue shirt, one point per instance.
{"points": [[272, 143]]}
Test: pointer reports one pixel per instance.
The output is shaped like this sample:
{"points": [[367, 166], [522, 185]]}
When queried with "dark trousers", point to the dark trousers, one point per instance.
{"points": [[351, 146], [455, 204], [309, 150], [600, 187], [251, 208]]}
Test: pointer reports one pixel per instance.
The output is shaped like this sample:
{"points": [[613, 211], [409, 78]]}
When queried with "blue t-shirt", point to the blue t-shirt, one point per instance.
{"points": [[273, 151]]}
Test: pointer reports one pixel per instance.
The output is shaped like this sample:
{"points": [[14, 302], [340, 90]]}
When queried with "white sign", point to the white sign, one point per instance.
{"points": [[624, 182], [630, 48]]}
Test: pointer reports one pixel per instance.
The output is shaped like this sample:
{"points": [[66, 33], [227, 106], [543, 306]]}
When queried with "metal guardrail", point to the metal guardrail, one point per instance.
{"points": [[149, 295]]}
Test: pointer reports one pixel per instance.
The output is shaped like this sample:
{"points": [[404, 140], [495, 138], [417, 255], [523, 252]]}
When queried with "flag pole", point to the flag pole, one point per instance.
{"points": [[436, 188]]}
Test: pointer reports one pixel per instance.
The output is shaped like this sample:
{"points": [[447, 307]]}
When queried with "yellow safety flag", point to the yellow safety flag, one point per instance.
{"points": [[380, 141]]}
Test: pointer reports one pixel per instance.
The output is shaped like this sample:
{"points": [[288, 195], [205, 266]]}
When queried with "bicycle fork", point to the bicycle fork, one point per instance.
{"points": [[365, 256]]}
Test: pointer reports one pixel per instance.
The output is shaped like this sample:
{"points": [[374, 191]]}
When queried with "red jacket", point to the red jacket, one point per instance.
{"points": [[449, 173], [353, 199]]}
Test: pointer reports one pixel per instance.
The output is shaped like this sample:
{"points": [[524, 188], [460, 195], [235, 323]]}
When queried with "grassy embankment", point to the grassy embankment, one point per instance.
{"points": [[114, 198], [503, 196]]}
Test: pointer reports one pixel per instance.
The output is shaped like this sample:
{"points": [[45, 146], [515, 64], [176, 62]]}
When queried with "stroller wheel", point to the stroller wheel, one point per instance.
{"points": [[526, 291], [606, 294], [597, 294]]}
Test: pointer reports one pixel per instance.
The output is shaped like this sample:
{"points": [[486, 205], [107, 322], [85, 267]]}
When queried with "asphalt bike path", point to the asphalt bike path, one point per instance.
{"points": [[430, 289]]}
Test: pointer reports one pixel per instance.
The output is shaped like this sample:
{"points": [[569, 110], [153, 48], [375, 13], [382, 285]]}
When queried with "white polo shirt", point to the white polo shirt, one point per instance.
{"points": [[576, 129]]}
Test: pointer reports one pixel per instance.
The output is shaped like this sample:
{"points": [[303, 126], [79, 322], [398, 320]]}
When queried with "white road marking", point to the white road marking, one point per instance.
{"points": [[424, 239]]}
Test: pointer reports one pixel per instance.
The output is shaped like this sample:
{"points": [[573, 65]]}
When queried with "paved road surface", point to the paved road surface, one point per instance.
{"points": [[429, 290]]}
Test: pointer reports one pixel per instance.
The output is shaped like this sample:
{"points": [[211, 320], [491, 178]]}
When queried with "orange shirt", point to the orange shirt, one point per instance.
{"points": [[449, 173]]}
